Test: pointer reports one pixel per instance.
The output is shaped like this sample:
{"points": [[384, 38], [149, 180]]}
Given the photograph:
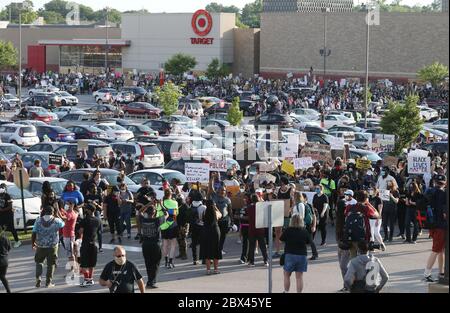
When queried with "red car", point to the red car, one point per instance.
{"points": [[141, 108], [37, 114]]}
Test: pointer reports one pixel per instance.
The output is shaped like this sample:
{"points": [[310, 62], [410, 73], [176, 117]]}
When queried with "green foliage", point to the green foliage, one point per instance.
{"points": [[369, 95], [435, 73], [215, 7], [216, 70], [28, 14], [404, 121], [51, 17], [168, 97], [251, 14], [180, 64], [397, 7], [235, 115], [8, 54]]}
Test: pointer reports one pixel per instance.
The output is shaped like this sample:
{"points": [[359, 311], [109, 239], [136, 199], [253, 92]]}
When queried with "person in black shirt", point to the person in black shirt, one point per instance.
{"points": [[5, 247], [111, 212], [85, 184], [88, 232], [7, 214], [151, 249], [296, 238], [120, 275], [92, 197], [320, 203], [144, 196]]}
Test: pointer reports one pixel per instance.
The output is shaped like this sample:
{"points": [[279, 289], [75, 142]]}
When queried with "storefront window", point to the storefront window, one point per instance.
{"points": [[90, 56]]}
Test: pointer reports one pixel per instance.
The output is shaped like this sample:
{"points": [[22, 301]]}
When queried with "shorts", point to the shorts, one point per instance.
{"points": [[88, 255], [170, 233], [295, 263], [438, 236], [68, 246]]}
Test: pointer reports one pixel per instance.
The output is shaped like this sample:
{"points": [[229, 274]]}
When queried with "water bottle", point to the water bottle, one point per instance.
{"points": [[430, 216]]}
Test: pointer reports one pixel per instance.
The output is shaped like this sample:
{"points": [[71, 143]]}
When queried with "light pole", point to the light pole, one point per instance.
{"points": [[107, 39], [325, 52], [366, 100], [20, 6]]}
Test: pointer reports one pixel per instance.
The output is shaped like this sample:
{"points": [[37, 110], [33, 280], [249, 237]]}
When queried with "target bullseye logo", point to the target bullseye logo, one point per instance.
{"points": [[202, 23]]}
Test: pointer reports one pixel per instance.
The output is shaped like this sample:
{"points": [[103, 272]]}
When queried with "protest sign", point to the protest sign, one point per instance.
{"points": [[302, 139], [337, 143], [418, 164], [385, 142], [317, 152], [288, 168], [197, 172], [262, 214], [303, 163], [55, 159], [218, 166], [290, 149], [390, 161], [363, 164]]}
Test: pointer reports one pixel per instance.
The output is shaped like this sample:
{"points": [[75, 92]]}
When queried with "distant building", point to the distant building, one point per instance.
{"points": [[444, 6], [306, 6]]}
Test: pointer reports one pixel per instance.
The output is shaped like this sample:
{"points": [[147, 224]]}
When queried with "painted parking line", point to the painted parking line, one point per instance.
{"points": [[127, 248]]}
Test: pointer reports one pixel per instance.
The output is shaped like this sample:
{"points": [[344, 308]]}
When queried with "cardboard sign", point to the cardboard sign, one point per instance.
{"points": [[390, 161], [418, 164], [288, 168], [317, 152], [237, 202], [55, 159], [302, 139], [218, 166], [337, 143], [363, 164], [25, 178], [262, 214], [385, 142], [303, 163], [290, 149], [197, 172], [82, 145]]}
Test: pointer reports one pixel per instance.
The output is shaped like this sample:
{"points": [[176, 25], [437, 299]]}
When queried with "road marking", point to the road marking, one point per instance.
{"points": [[127, 248]]}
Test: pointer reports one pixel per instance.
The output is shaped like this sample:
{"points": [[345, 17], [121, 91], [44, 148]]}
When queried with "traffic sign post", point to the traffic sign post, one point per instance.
{"points": [[23, 200], [270, 248]]}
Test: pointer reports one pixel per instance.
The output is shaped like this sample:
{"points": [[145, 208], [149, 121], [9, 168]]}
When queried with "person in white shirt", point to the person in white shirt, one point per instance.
{"points": [[349, 200], [382, 183], [230, 181]]}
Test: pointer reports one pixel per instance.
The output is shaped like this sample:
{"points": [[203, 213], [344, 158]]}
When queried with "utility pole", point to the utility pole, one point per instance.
{"points": [[366, 100], [325, 52], [20, 57], [107, 39]]}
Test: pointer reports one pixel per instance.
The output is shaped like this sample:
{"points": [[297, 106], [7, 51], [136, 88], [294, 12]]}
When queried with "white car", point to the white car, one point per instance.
{"points": [[441, 124], [310, 114], [104, 95], [300, 121], [428, 114], [156, 177], [122, 97], [67, 99], [331, 120], [9, 102], [115, 131], [202, 147], [348, 115], [32, 206], [41, 89], [63, 111], [21, 135]]}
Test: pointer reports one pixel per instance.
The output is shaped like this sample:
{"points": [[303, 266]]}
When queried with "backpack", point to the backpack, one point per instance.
{"points": [[427, 216], [355, 226], [308, 214], [193, 215]]}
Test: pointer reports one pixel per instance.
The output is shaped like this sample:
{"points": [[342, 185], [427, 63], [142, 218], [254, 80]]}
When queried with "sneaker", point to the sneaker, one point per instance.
{"points": [[383, 247], [313, 258], [239, 242], [223, 252], [413, 242], [216, 272], [242, 261], [403, 237], [429, 279], [195, 263], [151, 286], [171, 266], [49, 285], [256, 252], [90, 283], [251, 265], [138, 236], [17, 244], [323, 244], [100, 250], [343, 290], [38, 283], [266, 264]]}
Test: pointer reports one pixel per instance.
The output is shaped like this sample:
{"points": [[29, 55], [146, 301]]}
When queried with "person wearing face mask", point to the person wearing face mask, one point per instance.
{"points": [[80, 161], [69, 216], [126, 201], [382, 182], [111, 212], [88, 230], [92, 197], [349, 200], [99, 182], [151, 222], [120, 274], [7, 214], [320, 203], [389, 214], [72, 193], [375, 223], [44, 241]]}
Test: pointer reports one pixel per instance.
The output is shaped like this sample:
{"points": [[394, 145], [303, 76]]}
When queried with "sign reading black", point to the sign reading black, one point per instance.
{"points": [[55, 159]]}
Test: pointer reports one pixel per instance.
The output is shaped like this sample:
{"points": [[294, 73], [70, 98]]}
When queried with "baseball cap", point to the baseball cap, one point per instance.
{"points": [[441, 178], [349, 192]]}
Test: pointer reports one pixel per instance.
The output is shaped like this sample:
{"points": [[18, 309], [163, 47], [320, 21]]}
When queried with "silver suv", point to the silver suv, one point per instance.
{"points": [[147, 153]]}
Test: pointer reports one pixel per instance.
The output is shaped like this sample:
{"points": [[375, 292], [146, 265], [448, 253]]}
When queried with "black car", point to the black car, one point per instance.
{"points": [[55, 133], [314, 129], [141, 130], [248, 107], [179, 165], [87, 132], [440, 146], [222, 107], [47, 101], [169, 147], [46, 147], [140, 94], [162, 127], [95, 147], [72, 89], [275, 119], [212, 124]]}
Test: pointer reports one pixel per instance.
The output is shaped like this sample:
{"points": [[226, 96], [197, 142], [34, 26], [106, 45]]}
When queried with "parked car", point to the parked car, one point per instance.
{"points": [[55, 133], [220, 107], [180, 119], [314, 129], [67, 99], [87, 132], [341, 128], [34, 123], [78, 119], [211, 124], [94, 147], [428, 114], [179, 164], [300, 122], [441, 124], [42, 89], [45, 147], [28, 159], [139, 93], [123, 97], [146, 153], [63, 111], [440, 146], [208, 102], [106, 109], [191, 108], [141, 108], [331, 120], [359, 153], [9, 102], [104, 95], [162, 127], [170, 148], [10, 150], [58, 185], [72, 89], [38, 114], [156, 177], [203, 147], [275, 119], [47, 100], [310, 114], [141, 130], [371, 123], [21, 135], [32, 206], [248, 107], [115, 131]]}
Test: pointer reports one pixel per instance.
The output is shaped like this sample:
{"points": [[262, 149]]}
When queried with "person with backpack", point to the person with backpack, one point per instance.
{"points": [[320, 204], [413, 199], [305, 210], [357, 224], [197, 209], [183, 227], [365, 273], [437, 223]]}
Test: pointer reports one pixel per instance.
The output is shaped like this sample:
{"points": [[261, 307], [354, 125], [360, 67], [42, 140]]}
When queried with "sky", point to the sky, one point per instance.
{"points": [[170, 6]]}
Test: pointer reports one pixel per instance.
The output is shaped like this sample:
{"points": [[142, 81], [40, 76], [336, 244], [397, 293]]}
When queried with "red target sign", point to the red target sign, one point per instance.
{"points": [[202, 23]]}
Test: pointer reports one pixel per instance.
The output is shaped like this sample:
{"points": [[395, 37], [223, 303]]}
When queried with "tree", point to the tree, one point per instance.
{"points": [[51, 17], [435, 73], [235, 115], [8, 54], [251, 14], [168, 97], [219, 8], [180, 64], [28, 13], [404, 121], [212, 72]]}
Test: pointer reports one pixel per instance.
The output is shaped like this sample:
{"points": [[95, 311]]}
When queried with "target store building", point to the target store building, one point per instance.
{"points": [[156, 37]]}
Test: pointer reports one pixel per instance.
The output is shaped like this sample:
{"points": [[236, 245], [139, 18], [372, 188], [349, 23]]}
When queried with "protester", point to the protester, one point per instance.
{"points": [[286, 192], [36, 170], [126, 201], [255, 235], [320, 203], [7, 214], [390, 199], [169, 230], [296, 238], [375, 224], [413, 198], [121, 274], [5, 247], [72, 193], [93, 198], [197, 211], [210, 242], [111, 212], [69, 216]]}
